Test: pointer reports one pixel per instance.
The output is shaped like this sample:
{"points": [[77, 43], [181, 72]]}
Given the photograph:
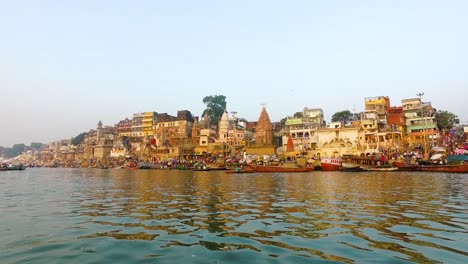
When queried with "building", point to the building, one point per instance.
{"points": [[336, 140], [264, 130], [137, 123], [379, 105], [124, 128], [148, 119], [231, 133], [173, 135], [421, 125], [302, 129]]}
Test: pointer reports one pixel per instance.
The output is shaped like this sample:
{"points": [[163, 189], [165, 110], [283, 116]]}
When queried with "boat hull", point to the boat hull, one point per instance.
{"points": [[330, 164], [12, 168], [259, 168], [379, 168], [463, 168]]}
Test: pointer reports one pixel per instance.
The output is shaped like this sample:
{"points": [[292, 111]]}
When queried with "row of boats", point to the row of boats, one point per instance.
{"points": [[325, 166], [369, 164]]}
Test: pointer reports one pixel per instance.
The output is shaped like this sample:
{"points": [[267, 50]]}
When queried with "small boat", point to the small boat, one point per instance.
{"points": [[451, 168], [279, 168], [200, 169], [381, 168], [11, 168], [348, 166], [149, 166], [331, 164], [240, 171], [209, 168]]}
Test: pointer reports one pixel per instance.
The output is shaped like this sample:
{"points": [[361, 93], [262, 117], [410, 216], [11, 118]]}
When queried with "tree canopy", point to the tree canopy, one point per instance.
{"points": [[78, 139], [36, 145], [446, 120], [344, 116], [14, 151], [215, 106]]}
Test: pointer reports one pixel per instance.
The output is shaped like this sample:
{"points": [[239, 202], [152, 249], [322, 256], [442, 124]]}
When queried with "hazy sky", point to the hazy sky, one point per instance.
{"points": [[65, 65]]}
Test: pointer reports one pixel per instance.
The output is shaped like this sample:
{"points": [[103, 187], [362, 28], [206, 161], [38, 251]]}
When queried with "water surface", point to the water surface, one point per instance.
{"points": [[163, 216]]}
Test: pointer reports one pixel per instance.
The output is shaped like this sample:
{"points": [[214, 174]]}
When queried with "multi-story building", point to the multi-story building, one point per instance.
{"points": [[380, 105], [173, 134], [148, 119], [184, 125], [137, 121], [302, 129], [421, 125], [124, 128], [336, 140], [397, 119], [231, 132], [369, 130]]}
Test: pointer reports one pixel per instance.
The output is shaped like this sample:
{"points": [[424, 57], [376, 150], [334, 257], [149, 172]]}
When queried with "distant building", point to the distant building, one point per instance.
{"points": [[380, 105], [302, 129], [264, 130], [231, 133], [148, 119], [137, 122], [421, 125], [124, 128], [336, 140]]}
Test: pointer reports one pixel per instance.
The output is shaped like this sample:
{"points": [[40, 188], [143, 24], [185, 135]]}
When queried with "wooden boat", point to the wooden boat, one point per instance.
{"points": [[16, 167], [347, 166], [241, 171], [331, 164], [451, 168], [200, 169], [377, 168], [149, 166], [209, 169], [403, 166], [261, 168]]}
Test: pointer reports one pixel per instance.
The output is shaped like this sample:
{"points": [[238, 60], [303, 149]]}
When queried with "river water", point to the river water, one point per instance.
{"points": [[164, 216]]}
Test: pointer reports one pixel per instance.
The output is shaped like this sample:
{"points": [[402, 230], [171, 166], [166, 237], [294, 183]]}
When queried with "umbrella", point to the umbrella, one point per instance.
{"points": [[436, 156]]}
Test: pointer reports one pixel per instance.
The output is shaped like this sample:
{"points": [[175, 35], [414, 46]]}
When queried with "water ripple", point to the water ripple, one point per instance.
{"points": [[181, 216]]}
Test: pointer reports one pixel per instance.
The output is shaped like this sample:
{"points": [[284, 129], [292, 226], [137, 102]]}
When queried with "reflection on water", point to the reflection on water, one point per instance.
{"points": [[211, 217]]}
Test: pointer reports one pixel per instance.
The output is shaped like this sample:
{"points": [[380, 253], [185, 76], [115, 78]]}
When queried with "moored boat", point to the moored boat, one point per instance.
{"points": [[11, 168], [331, 164], [451, 168], [239, 171], [350, 167], [381, 168], [279, 168]]}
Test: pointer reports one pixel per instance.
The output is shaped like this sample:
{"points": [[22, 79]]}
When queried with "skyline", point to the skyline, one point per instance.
{"points": [[65, 66]]}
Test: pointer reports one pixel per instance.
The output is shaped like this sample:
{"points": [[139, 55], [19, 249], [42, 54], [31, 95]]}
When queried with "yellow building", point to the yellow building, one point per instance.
{"points": [[147, 122]]}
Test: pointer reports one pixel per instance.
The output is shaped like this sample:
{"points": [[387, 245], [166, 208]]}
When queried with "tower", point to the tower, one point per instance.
{"points": [[264, 129]]}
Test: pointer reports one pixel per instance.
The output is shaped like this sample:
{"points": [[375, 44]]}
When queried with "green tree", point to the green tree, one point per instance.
{"points": [[298, 115], [446, 120], [36, 145], [78, 139], [344, 116], [215, 106], [14, 151]]}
